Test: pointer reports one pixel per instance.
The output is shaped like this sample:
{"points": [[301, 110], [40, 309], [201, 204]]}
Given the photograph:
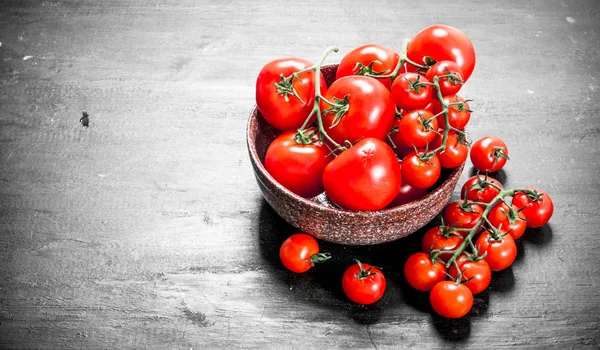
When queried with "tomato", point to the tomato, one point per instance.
{"points": [[442, 42], [441, 238], [422, 273], [417, 128], [450, 74], [368, 112], [402, 149], [450, 299], [475, 189], [477, 274], [300, 252], [512, 222], [537, 204], [407, 194], [371, 59], [501, 253], [458, 111], [275, 98], [489, 154], [462, 214], [363, 283], [412, 91], [298, 167], [421, 170], [364, 177], [456, 152]]}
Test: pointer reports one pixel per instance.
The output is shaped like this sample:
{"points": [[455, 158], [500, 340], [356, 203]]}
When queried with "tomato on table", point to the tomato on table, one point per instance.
{"points": [[363, 284], [476, 273], [512, 221], [298, 167], [450, 299], [443, 239], [300, 252], [478, 189], [373, 59], [422, 272], [364, 108], [286, 103], [500, 253], [462, 214], [537, 206], [364, 177], [489, 154], [442, 42]]}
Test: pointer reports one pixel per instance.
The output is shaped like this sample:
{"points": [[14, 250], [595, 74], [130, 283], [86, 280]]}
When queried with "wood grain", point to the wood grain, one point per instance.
{"points": [[147, 230]]}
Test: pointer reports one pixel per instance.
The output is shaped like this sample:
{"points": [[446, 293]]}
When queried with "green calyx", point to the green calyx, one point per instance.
{"points": [[286, 88], [361, 69], [319, 258], [364, 273], [339, 107]]}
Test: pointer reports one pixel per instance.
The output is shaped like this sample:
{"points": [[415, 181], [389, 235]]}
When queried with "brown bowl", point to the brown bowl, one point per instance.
{"points": [[322, 219]]}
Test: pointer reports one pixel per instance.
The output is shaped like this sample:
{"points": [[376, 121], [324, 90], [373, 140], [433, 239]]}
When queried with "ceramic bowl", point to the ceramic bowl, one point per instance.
{"points": [[319, 217]]}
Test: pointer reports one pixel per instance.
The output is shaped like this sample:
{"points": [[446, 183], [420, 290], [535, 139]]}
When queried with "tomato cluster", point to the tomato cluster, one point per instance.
{"points": [[379, 136], [385, 127], [477, 236]]}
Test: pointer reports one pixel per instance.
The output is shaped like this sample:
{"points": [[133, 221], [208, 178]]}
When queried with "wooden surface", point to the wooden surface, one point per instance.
{"points": [[147, 229]]}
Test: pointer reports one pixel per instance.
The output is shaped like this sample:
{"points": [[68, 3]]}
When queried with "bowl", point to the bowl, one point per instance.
{"points": [[320, 218]]}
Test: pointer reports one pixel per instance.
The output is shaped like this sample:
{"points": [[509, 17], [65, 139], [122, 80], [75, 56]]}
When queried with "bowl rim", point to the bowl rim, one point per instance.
{"points": [[385, 212]]}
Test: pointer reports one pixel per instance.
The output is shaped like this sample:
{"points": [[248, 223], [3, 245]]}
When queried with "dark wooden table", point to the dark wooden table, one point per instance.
{"points": [[147, 229]]}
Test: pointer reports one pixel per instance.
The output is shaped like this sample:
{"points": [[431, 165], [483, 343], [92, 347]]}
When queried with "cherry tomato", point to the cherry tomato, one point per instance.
{"points": [[412, 91], [456, 152], [407, 194], [538, 206], [421, 170], [461, 214], [489, 154], [477, 273], [441, 238], [402, 149], [372, 59], [370, 109], [458, 111], [512, 222], [275, 97], [442, 42], [422, 273], [300, 252], [476, 190], [363, 283], [296, 166], [451, 300], [451, 76], [500, 253], [364, 177], [417, 128]]}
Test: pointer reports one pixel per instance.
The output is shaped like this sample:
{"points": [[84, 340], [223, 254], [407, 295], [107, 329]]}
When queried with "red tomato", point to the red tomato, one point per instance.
{"points": [[407, 194], [500, 253], [421, 171], [370, 109], [511, 222], [489, 154], [442, 42], [275, 98], [363, 283], [477, 273], [300, 252], [461, 214], [364, 177], [451, 300], [476, 190], [456, 152], [298, 167], [422, 273], [538, 206], [370, 59], [458, 111], [441, 238], [412, 91], [402, 149], [417, 128], [451, 77]]}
